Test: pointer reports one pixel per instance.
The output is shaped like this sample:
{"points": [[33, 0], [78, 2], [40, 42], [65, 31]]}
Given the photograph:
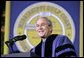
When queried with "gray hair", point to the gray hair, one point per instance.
{"points": [[47, 19]]}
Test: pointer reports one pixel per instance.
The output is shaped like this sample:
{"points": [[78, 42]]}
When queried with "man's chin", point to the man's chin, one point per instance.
{"points": [[43, 36]]}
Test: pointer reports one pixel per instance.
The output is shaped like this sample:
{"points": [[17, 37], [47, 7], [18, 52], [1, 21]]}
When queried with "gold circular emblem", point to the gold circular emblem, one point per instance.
{"points": [[25, 23]]}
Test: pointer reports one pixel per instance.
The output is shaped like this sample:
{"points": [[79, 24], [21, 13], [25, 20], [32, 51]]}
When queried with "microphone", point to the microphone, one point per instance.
{"points": [[17, 38]]}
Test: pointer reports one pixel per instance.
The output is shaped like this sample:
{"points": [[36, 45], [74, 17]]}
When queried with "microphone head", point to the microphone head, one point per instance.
{"points": [[22, 37]]}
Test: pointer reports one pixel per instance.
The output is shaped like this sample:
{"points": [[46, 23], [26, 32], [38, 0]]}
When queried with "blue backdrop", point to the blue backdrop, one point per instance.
{"points": [[72, 7]]}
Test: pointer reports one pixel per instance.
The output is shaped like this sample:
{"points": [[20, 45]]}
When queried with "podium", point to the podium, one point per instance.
{"points": [[17, 53], [24, 54]]}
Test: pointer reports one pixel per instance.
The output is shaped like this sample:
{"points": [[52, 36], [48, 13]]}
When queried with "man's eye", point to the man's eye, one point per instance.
{"points": [[37, 25]]}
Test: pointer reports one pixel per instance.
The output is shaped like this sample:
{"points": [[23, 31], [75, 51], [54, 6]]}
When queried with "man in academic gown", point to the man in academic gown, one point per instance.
{"points": [[51, 45]]}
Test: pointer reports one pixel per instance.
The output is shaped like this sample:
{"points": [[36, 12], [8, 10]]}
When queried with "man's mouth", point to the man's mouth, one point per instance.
{"points": [[40, 31]]}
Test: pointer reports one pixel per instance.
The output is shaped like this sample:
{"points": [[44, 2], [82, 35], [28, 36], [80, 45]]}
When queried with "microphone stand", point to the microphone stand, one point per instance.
{"points": [[11, 42], [10, 45]]}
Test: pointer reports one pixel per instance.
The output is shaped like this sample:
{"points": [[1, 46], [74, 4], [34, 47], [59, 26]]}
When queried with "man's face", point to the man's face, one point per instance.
{"points": [[42, 27]]}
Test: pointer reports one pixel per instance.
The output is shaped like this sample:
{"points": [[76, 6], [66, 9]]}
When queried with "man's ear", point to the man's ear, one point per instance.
{"points": [[51, 28]]}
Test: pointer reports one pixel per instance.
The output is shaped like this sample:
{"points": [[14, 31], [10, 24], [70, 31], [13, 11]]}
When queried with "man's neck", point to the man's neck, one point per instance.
{"points": [[44, 40]]}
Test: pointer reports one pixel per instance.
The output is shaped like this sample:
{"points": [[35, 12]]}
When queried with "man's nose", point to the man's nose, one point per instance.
{"points": [[40, 27]]}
